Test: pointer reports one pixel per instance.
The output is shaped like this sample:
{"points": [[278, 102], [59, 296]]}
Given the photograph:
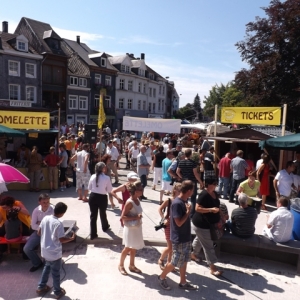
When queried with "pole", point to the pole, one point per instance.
{"points": [[58, 125], [282, 134], [216, 119]]}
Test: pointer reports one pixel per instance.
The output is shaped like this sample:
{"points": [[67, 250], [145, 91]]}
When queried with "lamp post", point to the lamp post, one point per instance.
{"points": [[58, 124]]}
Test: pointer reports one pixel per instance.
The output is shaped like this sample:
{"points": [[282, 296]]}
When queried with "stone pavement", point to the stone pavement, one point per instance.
{"points": [[91, 270]]}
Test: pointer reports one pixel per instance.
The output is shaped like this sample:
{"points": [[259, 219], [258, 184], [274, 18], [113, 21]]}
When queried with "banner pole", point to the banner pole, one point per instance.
{"points": [[216, 119], [282, 134]]}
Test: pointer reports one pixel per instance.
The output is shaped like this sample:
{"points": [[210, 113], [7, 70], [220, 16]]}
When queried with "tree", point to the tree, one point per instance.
{"points": [[186, 112], [272, 50], [197, 107]]}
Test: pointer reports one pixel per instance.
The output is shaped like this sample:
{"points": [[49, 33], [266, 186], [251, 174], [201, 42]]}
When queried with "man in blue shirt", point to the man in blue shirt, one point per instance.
{"points": [[180, 237], [166, 178]]}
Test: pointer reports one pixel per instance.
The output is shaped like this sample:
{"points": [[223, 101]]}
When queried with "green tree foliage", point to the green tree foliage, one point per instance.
{"points": [[272, 50], [186, 112], [197, 107], [233, 97]]}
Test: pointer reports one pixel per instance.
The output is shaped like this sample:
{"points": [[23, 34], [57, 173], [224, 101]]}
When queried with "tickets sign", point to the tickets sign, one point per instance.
{"points": [[25, 120], [251, 115]]}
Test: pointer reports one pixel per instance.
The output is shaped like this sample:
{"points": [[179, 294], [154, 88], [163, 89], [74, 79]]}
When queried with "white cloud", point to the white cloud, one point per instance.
{"points": [[144, 40], [84, 36]]}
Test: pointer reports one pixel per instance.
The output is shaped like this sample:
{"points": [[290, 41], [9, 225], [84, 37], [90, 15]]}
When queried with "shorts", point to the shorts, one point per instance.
{"points": [[181, 254], [166, 186], [51, 173], [82, 179]]}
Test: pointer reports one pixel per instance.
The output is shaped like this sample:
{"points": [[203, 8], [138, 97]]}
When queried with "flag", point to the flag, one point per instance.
{"points": [[101, 115]]}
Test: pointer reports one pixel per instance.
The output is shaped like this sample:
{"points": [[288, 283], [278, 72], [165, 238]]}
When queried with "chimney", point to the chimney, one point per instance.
{"points": [[143, 56], [5, 26], [78, 39]]}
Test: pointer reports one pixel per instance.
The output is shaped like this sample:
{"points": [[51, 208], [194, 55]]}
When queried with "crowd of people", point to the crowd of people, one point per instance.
{"points": [[198, 176]]}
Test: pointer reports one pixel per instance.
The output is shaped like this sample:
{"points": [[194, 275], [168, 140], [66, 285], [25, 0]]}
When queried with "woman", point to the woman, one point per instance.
{"points": [[164, 211], [124, 189], [263, 176], [106, 158], [34, 169], [148, 152], [207, 212], [250, 187], [133, 232], [99, 185], [157, 166]]}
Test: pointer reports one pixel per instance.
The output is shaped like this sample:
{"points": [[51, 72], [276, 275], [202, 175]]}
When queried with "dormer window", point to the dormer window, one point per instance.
{"points": [[21, 46], [142, 72], [103, 62], [125, 69]]}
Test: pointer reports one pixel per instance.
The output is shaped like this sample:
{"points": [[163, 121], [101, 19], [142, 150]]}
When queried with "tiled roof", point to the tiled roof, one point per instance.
{"points": [[115, 60], [271, 130]]}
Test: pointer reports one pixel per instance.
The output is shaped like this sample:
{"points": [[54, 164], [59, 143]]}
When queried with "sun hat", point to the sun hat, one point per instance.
{"points": [[132, 175]]}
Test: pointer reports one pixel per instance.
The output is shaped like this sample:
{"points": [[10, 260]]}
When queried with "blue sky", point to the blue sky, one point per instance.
{"points": [[190, 41]]}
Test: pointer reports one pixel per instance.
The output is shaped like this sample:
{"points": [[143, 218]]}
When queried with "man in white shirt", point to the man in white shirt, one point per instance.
{"points": [[44, 209], [100, 146], [107, 129], [260, 161], [279, 223], [82, 171], [284, 181], [114, 153]]}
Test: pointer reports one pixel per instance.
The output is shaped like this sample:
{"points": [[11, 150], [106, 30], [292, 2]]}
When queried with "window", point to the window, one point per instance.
{"points": [[150, 105], [142, 72], [31, 93], [127, 69], [159, 104], [150, 92], [140, 88], [13, 68], [121, 103], [73, 102], [103, 62], [73, 80], [22, 46], [97, 78], [107, 101], [151, 76], [82, 82], [163, 105], [129, 103], [144, 88], [163, 90], [121, 84], [107, 80], [96, 100], [123, 68], [139, 105], [144, 105], [14, 92], [30, 70], [159, 91], [153, 107], [154, 92], [83, 103], [130, 85]]}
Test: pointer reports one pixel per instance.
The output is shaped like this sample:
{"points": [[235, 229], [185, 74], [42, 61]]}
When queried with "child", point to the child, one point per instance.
{"points": [[13, 226], [51, 161], [44, 209], [52, 236]]}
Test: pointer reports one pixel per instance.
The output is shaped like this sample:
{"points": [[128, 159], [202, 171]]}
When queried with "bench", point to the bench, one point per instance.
{"points": [[22, 241], [260, 246]]}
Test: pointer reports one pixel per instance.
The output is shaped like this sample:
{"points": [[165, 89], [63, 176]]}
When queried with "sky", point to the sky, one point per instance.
{"points": [[190, 41]]}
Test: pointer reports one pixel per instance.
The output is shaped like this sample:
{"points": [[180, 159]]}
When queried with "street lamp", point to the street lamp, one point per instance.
{"points": [[58, 124]]}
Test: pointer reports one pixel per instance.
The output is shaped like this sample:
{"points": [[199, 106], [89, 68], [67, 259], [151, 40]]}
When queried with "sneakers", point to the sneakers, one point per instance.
{"points": [[163, 283], [61, 189], [43, 290], [61, 294], [33, 269], [187, 286]]}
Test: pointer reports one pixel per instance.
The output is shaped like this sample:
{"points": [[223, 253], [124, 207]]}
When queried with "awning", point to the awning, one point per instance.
{"points": [[231, 140], [9, 132], [40, 131], [288, 142]]}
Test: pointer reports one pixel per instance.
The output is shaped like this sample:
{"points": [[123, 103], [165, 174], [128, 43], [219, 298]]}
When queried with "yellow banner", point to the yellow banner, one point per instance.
{"points": [[251, 115], [25, 120]]}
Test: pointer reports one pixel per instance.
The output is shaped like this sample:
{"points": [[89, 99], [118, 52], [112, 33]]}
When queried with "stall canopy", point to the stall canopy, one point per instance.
{"points": [[9, 132], [288, 142]]}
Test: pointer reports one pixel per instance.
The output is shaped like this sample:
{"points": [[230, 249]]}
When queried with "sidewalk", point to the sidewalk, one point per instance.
{"points": [[91, 272]]}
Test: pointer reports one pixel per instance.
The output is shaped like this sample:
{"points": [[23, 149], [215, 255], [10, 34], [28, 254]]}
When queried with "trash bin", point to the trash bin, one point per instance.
{"points": [[295, 210]]}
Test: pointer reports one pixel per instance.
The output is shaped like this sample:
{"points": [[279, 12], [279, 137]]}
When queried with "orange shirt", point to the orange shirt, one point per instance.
{"points": [[68, 144]]}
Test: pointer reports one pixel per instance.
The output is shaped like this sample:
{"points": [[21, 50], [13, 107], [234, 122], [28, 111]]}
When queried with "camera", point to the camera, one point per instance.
{"points": [[160, 226]]}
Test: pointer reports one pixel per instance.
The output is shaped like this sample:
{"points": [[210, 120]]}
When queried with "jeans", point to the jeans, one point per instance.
{"points": [[234, 187], [224, 185], [54, 267], [144, 180], [98, 202], [33, 241]]}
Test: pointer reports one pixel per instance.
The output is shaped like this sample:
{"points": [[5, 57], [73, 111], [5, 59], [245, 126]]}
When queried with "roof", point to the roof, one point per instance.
{"points": [[115, 60], [245, 133], [271, 130]]}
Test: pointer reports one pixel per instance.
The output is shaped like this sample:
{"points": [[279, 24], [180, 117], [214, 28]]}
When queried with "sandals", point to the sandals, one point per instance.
{"points": [[122, 270], [196, 259], [161, 264], [263, 207], [134, 269], [216, 273]]}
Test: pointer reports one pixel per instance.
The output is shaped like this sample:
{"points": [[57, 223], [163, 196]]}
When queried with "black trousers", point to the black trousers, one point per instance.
{"points": [[234, 186], [98, 202]]}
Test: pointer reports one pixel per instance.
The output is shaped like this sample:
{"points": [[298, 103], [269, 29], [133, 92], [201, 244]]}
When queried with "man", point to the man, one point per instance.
{"points": [[52, 236], [166, 178], [297, 163], [209, 162], [178, 149], [22, 156], [63, 163], [133, 153], [280, 222], [166, 139], [224, 175], [180, 237], [100, 147], [173, 168], [114, 153], [243, 218], [82, 172], [284, 181], [166, 146], [44, 209], [107, 130], [260, 161], [143, 168], [187, 170], [238, 167]]}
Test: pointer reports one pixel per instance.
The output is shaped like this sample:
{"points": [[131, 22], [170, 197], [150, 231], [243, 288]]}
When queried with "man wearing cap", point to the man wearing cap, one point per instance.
{"points": [[143, 168], [166, 178], [178, 149], [114, 153], [224, 175]]}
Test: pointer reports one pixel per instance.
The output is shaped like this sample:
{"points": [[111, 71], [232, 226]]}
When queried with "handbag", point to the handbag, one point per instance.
{"points": [[132, 223], [216, 229]]}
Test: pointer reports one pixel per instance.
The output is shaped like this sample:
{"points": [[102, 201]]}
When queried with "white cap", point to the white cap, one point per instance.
{"points": [[132, 175]]}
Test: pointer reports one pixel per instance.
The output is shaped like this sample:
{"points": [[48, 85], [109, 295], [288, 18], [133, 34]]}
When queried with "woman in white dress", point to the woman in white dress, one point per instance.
{"points": [[132, 232]]}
